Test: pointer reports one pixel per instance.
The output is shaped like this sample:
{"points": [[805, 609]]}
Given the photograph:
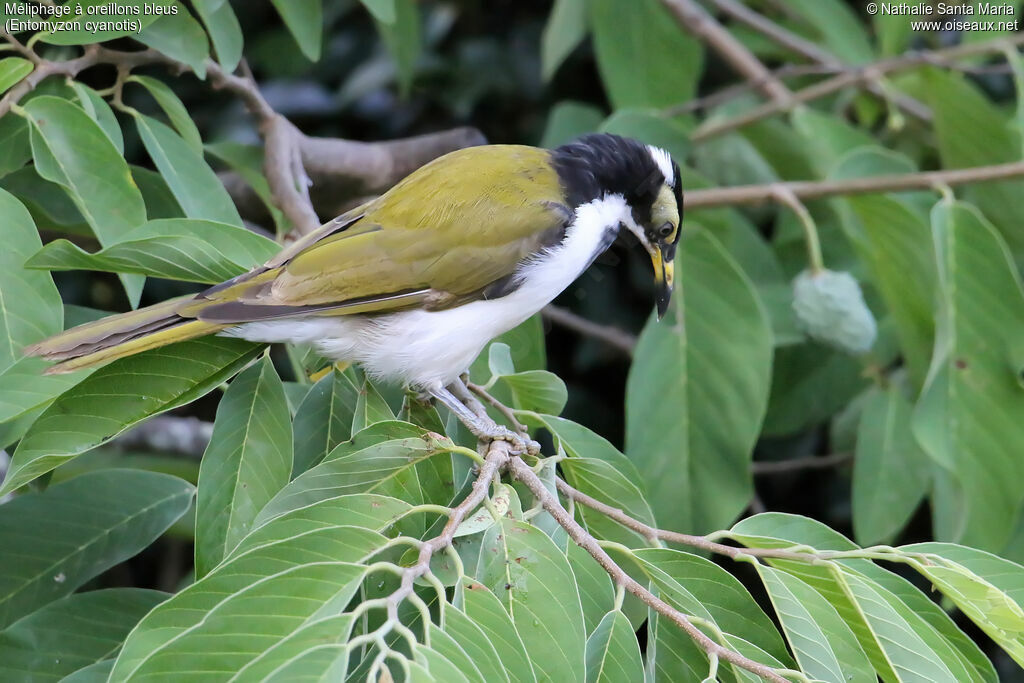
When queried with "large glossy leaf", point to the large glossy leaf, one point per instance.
{"points": [[174, 108], [76, 529], [30, 306], [180, 37], [929, 622], [967, 416], [103, 27], [193, 182], [249, 459], [324, 418], [526, 570], [613, 653], [402, 36], [318, 634], [630, 47], [12, 70], [120, 395], [304, 19], [71, 150], [477, 645], [485, 611], [72, 633], [225, 32], [705, 588], [597, 596], [15, 148], [698, 390], [836, 26], [383, 458], [891, 473], [892, 234], [227, 619], [24, 388], [565, 29], [100, 112], [972, 131], [173, 248], [824, 646]]}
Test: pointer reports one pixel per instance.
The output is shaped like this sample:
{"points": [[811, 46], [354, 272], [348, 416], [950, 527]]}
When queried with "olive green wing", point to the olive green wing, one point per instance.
{"points": [[452, 232]]}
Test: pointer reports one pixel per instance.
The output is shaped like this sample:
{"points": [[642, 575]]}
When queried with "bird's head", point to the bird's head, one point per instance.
{"points": [[647, 179]]}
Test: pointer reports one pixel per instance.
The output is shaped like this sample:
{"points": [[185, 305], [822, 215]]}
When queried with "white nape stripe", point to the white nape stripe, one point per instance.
{"points": [[431, 348], [664, 161]]}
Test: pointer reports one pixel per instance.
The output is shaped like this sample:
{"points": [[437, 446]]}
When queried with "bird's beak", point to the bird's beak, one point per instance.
{"points": [[664, 274]]}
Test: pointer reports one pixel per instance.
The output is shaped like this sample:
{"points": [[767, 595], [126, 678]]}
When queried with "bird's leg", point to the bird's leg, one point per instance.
{"points": [[481, 426]]}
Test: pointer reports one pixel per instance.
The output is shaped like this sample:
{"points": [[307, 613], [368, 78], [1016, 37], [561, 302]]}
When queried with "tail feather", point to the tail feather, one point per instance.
{"points": [[118, 336]]}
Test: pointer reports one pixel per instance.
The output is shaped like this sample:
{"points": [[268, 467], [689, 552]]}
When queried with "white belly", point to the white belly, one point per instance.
{"points": [[431, 348]]}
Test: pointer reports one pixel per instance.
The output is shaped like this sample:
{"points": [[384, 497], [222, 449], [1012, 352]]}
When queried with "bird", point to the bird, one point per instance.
{"points": [[412, 285]]}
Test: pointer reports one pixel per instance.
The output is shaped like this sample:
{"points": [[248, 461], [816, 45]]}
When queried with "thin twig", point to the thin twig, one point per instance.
{"points": [[521, 471], [693, 18], [812, 51], [498, 454], [505, 411], [854, 76], [808, 189], [813, 462], [612, 336]]}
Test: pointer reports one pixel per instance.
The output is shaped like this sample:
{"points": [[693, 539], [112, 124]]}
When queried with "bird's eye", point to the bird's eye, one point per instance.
{"points": [[665, 230]]}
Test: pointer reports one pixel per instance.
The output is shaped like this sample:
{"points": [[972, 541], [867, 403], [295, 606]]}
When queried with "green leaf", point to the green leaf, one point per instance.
{"points": [[824, 646], [174, 108], [224, 30], [193, 182], [78, 529], [402, 36], [24, 388], [701, 587], [485, 610], [72, 633], [967, 417], [698, 390], [103, 27], [329, 633], [631, 48], [249, 459], [476, 644], [324, 419], [972, 131], [12, 70], [180, 37], [523, 566], [382, 10], [304, 19], [565, 29], [15, 147], [597, 596], [121, 394], [186, 249], [828, 137], [891, 474], [651, 127], [100, 112], [70, 149], [987, 588], [383, 458], [568, 120], [903, 273], [94, 673], [836, 25], [30, 306], [371, 408], [612, 651], [247, 162], [253, 602], [536, 390]]}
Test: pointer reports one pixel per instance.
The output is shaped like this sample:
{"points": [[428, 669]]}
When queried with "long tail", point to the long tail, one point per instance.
{"points": [[121, 335]]}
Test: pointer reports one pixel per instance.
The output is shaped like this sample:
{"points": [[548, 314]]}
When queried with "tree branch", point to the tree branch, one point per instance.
{"points": [[521, 471], [612, 336], [812, 51], [693, 18], [808, 189], [851, 77], [813, 462]]}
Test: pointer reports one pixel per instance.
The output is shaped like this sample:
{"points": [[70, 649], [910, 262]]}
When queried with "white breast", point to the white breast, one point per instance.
{"points": [[430, 348]]}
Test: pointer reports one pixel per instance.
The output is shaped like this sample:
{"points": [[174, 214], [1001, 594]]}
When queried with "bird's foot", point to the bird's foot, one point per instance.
{"points": [[520, 443]]}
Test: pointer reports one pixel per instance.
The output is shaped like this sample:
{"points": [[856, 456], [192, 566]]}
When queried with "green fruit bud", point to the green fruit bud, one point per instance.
{"points": [[830, 308]]}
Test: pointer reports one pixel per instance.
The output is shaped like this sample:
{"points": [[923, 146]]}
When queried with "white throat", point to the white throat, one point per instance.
{"points": [[432, 348]]}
